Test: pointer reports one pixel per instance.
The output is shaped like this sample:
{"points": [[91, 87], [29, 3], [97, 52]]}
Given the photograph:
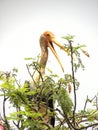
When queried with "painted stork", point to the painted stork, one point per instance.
{"points": [[46, 41]]}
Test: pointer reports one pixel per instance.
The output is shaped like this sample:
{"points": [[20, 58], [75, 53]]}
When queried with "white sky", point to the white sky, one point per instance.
{"points": [[23, 21]]}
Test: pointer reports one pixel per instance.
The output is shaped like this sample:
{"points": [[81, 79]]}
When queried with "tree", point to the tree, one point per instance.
{"points": [[31, 113]]}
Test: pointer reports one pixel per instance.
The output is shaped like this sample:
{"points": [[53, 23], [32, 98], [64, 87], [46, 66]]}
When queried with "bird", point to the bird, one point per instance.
{"points": [[46, 42]]}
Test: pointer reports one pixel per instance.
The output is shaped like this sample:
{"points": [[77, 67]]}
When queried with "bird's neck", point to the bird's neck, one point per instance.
{"points": [[43, 61]]}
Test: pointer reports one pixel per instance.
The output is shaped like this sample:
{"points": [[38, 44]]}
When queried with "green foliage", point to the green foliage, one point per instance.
{"points": [[64, 101], [69, 37], [75, 50], [27, 104]]}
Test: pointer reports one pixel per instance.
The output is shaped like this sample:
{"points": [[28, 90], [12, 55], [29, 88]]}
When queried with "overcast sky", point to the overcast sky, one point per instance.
{"points": [[23, 21]]}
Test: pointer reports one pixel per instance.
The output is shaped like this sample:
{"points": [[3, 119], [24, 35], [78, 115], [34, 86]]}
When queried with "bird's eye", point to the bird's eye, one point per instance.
{"points": [[48, 35]]}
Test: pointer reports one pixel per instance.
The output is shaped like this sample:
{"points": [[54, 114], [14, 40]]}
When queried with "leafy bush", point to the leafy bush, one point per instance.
{"points": [[32, 113]]}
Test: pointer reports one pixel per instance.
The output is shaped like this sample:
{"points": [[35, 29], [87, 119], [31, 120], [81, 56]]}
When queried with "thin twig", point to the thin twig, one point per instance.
{"points": [[74, 87]]}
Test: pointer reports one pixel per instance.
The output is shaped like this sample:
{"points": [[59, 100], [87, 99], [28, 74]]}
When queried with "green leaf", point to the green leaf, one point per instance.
{"points": [[69, 37], [29, 58], [78, 47]]}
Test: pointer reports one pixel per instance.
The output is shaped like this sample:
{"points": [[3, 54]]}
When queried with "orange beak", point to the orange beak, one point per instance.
{"points": [[50, 45]]}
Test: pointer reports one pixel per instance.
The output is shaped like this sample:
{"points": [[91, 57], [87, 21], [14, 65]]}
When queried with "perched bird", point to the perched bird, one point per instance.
{"points": [[46, 41]]}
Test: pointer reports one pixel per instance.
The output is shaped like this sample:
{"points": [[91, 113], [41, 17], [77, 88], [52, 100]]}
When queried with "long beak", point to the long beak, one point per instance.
{"points": [[50, 45], [59, 45]]}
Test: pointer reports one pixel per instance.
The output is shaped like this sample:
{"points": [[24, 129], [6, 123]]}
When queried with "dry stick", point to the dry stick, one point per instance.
{"points": [[87, 99], [66, 119], [85, 103], [30, 73], [97, 102], [73, 76]]}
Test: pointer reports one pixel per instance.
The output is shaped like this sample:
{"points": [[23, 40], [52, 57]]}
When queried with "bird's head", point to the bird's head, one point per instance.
{"points": [[47, 39]]}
